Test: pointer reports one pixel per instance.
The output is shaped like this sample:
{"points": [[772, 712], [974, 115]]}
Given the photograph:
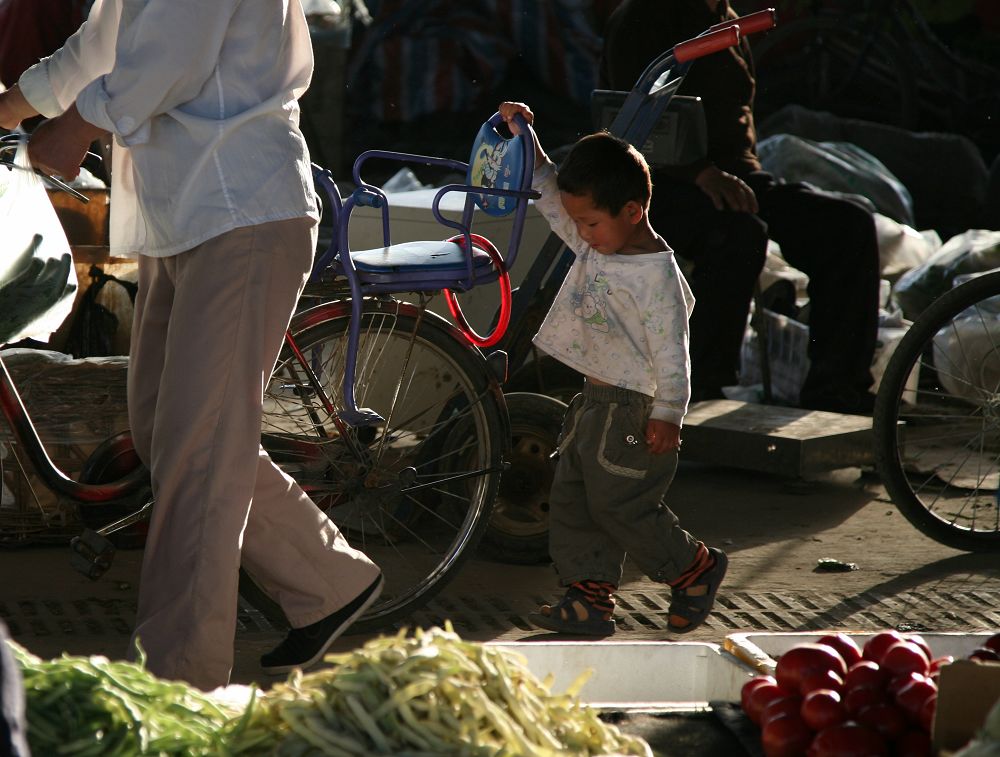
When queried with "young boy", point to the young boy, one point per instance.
{"points": [[621, 319]]}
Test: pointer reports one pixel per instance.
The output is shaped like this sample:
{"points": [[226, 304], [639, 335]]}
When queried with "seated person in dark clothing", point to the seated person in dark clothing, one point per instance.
{"points": [[32, 29], [719, 212]]}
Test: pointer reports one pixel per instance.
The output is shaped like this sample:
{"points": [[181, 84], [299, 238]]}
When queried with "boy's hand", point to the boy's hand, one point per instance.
{"points": [[508, 110], [662, 436]]}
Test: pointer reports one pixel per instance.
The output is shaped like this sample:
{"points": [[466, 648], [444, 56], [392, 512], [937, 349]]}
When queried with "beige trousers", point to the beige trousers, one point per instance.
{"points": [[208, 328]]}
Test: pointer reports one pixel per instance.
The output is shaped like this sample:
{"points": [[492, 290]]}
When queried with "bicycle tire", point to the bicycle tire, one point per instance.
{"points": [[518, 531], [444, 417], [937, 431], [814, 62]]}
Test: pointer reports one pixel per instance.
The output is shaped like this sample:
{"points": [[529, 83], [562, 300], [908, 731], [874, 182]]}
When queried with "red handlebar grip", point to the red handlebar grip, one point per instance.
{"points": [[760, 21], [752, 23], [707, 44]]}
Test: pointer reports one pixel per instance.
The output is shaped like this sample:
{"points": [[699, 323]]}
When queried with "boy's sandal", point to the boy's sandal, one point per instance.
{"points": [[695, 609], [573, 614]]}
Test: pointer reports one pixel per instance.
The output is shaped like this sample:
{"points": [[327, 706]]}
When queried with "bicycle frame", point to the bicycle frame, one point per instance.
{"points": [[17, 417]]}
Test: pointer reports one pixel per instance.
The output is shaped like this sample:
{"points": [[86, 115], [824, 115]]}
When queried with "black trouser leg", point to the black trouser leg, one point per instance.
{"points": [[833, 241], [727, 251]]}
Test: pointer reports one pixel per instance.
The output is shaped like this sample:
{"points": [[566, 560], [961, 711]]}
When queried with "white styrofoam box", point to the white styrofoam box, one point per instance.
{"points": [[638, 673], [411, 220], [788, 358], [761, 650]]}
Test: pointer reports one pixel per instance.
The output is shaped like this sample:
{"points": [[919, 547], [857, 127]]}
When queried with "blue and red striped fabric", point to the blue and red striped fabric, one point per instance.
{"points": [[429, 56]]}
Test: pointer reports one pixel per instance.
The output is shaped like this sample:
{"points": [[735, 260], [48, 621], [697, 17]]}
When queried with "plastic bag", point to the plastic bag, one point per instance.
{"points": [[95, 327], [973, 251], [966, 351], [837, 167], [37, 278]]}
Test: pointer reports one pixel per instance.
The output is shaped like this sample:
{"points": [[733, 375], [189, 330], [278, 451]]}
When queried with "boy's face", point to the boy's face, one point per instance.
{"points": [[606, 233]]}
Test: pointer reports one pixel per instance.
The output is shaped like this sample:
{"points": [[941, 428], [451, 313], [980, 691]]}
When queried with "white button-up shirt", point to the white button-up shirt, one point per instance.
{"points": [[201, 96]]}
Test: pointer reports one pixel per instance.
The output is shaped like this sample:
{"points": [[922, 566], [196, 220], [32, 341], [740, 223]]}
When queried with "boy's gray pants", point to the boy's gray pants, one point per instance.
{"points": [[607, 494]]}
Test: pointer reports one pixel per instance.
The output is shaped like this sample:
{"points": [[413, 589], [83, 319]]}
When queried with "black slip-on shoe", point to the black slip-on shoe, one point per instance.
{"points": [[306, 646]]}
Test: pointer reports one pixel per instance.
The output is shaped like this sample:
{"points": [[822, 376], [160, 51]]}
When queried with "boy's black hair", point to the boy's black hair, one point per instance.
{"points": [[609, 169]]}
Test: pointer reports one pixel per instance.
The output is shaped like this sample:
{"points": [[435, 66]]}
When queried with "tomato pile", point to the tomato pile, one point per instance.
{"points": [[833, 698]]}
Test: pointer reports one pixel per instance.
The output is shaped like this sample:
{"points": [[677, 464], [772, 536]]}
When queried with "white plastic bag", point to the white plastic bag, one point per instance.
{"points": [[837, 167], [37, 278]]}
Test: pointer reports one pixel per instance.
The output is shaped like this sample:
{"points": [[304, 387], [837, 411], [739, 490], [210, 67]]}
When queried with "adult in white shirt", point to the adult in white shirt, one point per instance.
{"points": [[212, 188]]}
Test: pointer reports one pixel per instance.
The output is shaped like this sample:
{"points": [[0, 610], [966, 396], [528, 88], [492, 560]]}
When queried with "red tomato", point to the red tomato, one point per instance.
{"points": [[937, 662], [897, 683], [786, 736], [846, 646], [926, 714], [914, 744], [848, 740], [760, 697], [826, 679], [913, 695], [877, 645], [752, 684], [776, 708], [904, 657], [915, 638], [865, 673], [993, 642], [984, 653], [884, 717], [856, 699], [806, 659], [822, 708]]}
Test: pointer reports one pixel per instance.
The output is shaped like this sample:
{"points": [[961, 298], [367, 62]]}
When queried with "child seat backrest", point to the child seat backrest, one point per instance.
{"points": [[496, 162]]}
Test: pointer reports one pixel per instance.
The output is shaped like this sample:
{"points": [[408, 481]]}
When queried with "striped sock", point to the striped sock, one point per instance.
{"points": [[597, 594], [703, 560]]}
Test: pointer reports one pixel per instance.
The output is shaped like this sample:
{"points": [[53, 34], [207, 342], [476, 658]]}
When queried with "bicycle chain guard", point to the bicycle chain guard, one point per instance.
{"points": [[503, 318]]}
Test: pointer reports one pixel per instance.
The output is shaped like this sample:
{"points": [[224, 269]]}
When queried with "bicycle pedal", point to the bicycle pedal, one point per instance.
{"points": [[92, 554]]}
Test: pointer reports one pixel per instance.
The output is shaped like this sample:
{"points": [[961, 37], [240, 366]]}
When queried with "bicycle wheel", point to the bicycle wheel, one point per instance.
{"points": [[937, 419], [828, 65], [519, 526], [416, 495]]}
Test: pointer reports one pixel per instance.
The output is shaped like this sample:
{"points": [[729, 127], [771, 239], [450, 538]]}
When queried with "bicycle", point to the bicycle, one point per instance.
{"points": [[937, 418], [877, 60], [392, 418]]}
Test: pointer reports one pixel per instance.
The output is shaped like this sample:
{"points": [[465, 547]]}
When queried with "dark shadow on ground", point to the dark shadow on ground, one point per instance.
{"points": [[752, 509]]}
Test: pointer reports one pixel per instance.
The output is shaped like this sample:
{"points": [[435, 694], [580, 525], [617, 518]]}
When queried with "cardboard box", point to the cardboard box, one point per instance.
{"points": [[967, 691]]}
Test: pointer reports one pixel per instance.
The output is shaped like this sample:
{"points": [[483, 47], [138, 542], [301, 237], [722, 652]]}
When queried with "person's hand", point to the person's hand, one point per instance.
{"points": [[727, 192], [14, 108], [59, 145], [662, 436], [508, 110]]}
